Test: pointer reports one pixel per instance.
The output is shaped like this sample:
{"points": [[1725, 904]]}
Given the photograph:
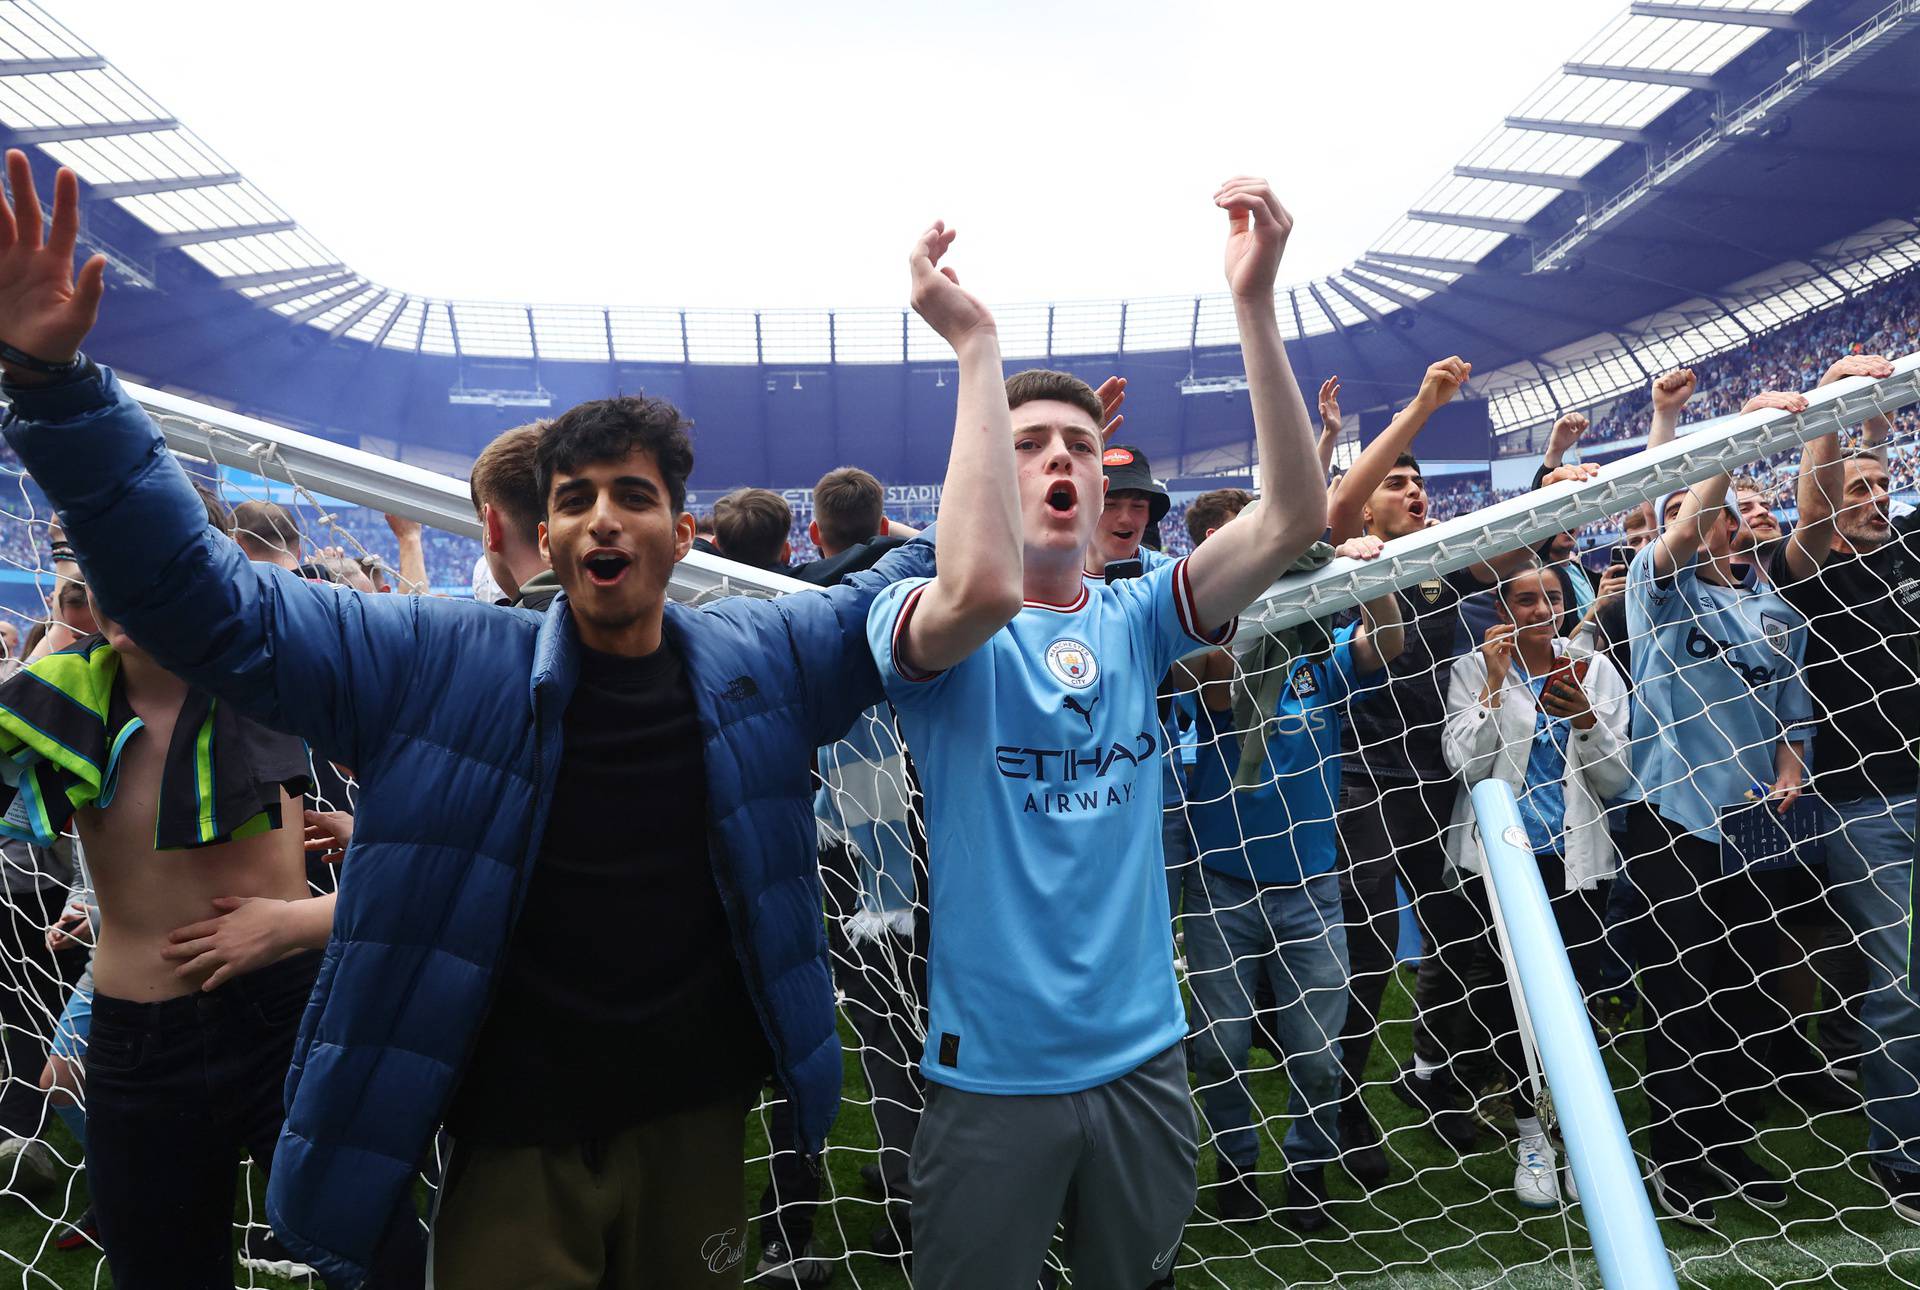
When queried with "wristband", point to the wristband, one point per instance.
{"points": [[20, 358]]}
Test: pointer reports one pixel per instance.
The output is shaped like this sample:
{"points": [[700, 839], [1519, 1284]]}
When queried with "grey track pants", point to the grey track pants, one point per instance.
{"points": [[993, 1174]]}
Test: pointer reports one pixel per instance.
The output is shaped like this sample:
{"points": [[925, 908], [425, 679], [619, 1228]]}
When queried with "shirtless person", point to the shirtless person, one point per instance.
{"points": [[191, 1039]]}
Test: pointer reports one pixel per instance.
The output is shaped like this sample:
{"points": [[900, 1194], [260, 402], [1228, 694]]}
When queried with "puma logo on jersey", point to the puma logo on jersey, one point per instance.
{"points": [[1073, 705]]}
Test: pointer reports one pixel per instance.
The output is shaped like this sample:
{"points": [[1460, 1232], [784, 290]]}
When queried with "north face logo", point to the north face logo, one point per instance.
{"points": [[740, 689]]}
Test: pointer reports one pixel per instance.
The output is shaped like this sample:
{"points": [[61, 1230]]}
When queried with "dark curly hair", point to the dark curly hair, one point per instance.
{"points": [[610, 429]]}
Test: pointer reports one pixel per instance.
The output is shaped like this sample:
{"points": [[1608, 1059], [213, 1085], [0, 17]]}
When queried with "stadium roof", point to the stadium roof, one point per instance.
{"points": [[1684, 149]]}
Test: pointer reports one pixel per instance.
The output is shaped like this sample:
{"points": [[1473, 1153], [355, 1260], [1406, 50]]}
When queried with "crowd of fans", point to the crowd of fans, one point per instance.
{"points": [[1882, 320], [1039, 765]]}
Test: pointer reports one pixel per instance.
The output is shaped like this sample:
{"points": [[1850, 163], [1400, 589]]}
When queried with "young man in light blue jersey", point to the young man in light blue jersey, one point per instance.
{"points": [[1058, 1088], [1720, 718], [1265, 901]]}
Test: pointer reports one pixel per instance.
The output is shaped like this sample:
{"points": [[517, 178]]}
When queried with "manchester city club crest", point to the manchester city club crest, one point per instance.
{"points": [[1072, 663]]}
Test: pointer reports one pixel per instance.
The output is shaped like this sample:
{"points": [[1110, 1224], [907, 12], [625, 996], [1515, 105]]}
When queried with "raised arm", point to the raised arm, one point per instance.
{"points": [[297, 656], [1671, 390], [1329, 422], [1260, 543], [413, 554], [1441, 382], [1561, 439], [1677, 546], [977, 589], [1823, 478]]}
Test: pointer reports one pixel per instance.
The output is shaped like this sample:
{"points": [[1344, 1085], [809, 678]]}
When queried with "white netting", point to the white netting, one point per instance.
{"points": [[1796, 1015]]}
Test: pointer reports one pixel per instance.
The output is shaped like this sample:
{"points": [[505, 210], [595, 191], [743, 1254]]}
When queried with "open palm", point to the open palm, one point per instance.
{"points": [[45, 310], [938, 297]]}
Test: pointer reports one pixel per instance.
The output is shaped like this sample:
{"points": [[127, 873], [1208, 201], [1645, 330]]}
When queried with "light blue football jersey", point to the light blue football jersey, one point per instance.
{"points": [[1280, 828], [1717, 684], [1051, 963]]}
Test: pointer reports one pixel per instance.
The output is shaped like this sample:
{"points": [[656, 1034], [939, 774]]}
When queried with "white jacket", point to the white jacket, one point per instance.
{"points": [[1495, 743]]}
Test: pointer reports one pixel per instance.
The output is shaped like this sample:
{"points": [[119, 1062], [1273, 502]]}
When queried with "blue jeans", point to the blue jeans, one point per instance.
{"points": [[1869, 874], [1294, 932]]}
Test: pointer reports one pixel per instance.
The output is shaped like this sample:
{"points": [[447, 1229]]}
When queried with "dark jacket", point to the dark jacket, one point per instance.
{"points": [[451, 713], [537, 592], [828, 570]]}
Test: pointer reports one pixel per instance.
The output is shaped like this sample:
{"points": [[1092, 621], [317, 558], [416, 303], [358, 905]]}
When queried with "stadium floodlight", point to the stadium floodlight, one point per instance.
{"points": [[466, 395], [1212, 384]]}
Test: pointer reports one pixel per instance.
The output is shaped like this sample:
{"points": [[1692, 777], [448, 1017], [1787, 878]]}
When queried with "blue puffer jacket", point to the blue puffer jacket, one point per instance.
{"points": [[450, 713]]}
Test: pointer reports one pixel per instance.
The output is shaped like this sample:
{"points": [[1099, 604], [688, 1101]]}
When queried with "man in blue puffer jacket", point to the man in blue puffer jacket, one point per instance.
{"points": [[579, 943]]}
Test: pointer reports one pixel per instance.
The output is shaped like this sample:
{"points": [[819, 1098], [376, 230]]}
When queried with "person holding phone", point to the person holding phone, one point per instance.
{"points": [[1550, 718]]}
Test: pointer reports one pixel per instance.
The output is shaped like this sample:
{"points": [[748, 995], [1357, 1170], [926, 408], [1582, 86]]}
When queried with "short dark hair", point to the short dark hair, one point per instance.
{"points": [[1212, 509], [1039, 383], [265, 525], [504, 478], [1406, 460], [610, 430], [751, 524], [849, 505]]}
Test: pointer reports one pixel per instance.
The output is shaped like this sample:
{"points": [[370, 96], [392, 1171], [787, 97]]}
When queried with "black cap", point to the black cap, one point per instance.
{"points": [[1127, 471]]}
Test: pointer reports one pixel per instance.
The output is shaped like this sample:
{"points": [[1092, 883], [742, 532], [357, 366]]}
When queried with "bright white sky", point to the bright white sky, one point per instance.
{"points": [[771, 153]]}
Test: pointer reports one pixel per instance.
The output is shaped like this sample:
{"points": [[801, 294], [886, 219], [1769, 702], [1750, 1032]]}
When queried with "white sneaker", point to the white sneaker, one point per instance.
{"points": [[1536, 1177], [1569, 1189], [27, 1166]]}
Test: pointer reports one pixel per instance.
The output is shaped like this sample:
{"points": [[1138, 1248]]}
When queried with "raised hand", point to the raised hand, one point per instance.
{"points": [[937, 295], [1566, 433], [1442, 381], [1330, 404], [403, 528], [1671, 390], [1112, 393], [1498, 648], [1257, 229], [45, 311], [1784, 400], [1612, 587], [1869, 365]]}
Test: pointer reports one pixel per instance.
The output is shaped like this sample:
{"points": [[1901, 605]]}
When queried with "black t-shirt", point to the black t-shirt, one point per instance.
{"points": [[621, 998], [1863, 640], [1396, 718]]}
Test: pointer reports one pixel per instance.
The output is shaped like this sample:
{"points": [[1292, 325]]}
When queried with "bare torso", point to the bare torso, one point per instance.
{"points": [[144, 894]]}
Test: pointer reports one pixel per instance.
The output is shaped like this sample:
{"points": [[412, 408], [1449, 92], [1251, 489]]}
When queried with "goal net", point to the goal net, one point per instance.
{"points": [[1364, 1083]]}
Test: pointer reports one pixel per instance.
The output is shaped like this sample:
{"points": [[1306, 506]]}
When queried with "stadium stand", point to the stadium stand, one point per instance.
{"points": [[1340, 914]]}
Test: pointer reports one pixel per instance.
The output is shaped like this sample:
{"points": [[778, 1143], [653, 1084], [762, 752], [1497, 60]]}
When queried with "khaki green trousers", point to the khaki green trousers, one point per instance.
{"points": [[660, 1206]]}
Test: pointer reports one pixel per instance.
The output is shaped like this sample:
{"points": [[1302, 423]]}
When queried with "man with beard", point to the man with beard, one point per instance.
{"points": [[1863, 670]]}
